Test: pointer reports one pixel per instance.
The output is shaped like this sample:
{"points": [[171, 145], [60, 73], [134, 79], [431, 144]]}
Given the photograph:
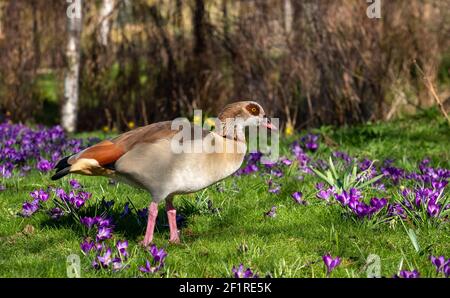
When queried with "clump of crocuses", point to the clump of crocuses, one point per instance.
{"points": [[352, 200], [421, 204], [29, 208], [23, 148], [104, 255], [100, 229]]}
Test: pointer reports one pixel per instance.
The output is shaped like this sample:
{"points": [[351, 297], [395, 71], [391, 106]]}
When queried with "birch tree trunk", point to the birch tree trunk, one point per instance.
{"points": [[71, 82], [105, 24], [287, 15]]}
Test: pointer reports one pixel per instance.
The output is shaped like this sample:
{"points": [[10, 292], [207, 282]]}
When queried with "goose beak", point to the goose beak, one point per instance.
{"points": [[266, 123]]}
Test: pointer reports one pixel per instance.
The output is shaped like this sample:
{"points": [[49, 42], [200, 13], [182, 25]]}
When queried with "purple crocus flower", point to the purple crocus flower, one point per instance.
{"points": [[122, 247], [298, 198], [254, 156], [70, 197], [106, 259], [362, 210], [107, 204], [61, 194], [408, 274], [104, 222], [117, 264], [269, 164], [285, 161], [56, 156], [396, 210], [29, 208], [378, 204], [142, 213], [84, 195], [126, 210], [272, 212], [158, 254], [325, 194], [438, 262], [277, 173], [342, 155], [240, 273], [56, 213], [331, 263], [394, 173], [439, 185], [158, 260], [343, 198], [446, 269], [6, 169], [78, 202], [95, 264], [147, 268], [104, 233], [273, 187], [74, 184], [310, 142], [44, 165], [423, 195], [86, 246], [251, 168], [39, 195], [99, 246], [89, 222], [433, 209]]}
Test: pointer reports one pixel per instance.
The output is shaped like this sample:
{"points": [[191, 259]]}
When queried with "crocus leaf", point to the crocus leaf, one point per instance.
{"points": [[373, 180], [333, 169], [354, 171], [318, 173], [413, 238]]}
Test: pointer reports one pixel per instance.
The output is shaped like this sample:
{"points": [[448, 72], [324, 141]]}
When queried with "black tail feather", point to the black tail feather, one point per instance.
{"points": [[62, 168], [62, 164], [61, 173]]}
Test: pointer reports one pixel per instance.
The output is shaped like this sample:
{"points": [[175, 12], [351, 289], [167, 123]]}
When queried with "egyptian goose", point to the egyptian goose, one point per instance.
{"points": [[144, 157]]}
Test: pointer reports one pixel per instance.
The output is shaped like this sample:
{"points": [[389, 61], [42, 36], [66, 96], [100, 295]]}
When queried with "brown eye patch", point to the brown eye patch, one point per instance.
{"points": [[252, 109]]}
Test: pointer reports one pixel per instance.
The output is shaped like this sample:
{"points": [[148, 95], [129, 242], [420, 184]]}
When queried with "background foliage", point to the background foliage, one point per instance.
{"points": [[307, 62]]}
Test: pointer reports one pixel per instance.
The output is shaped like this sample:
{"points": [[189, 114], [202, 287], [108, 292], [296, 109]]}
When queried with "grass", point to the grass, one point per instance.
{"points": [[289, 245]]}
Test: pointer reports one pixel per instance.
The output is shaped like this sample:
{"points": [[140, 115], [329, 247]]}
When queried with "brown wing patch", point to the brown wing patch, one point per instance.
{"points": [[253, 109], [104, 153], [147, 134]]}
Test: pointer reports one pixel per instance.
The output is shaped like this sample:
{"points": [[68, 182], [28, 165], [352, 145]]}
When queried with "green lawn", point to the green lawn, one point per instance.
{"points": [[289, 245]]}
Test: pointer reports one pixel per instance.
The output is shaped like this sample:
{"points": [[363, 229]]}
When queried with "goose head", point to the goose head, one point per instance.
{"points": [[250, 113]]}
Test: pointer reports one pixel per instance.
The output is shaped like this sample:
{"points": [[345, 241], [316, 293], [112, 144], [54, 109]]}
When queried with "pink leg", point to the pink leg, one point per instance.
{"points": [[172, 216], [152, 214]]}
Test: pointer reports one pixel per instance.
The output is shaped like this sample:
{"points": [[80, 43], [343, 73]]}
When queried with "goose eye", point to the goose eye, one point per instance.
{"points": [[252, 109]]}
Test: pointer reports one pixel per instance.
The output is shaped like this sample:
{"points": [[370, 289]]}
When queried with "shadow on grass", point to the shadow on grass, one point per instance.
{"points": [[131, 225]]}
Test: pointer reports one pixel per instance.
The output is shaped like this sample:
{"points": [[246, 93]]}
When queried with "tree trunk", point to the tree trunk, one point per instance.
{"points": [[36, 37], [287, 15], [199, 28], [2, 6], [105, 24], [71, 82]]}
